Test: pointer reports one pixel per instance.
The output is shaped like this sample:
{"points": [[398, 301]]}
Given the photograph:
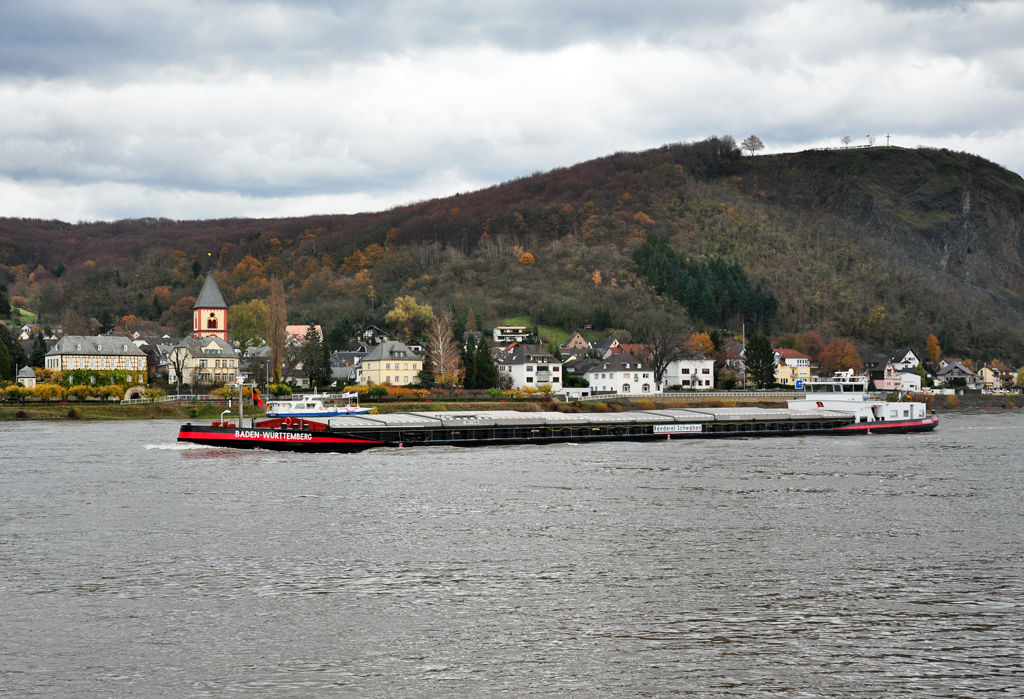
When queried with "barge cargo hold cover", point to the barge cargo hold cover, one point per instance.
{"points": [[498, 427]]}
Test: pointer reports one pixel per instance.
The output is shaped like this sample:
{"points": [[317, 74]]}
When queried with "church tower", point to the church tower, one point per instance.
{"points": [[210, 314]]}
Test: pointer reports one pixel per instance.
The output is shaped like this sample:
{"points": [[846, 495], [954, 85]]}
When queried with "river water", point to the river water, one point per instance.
{"points": [[854, 567]]}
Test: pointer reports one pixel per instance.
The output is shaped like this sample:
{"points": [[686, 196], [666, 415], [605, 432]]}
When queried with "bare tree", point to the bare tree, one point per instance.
{"points": [[665, 336], [846, 140], [277, 327], [752, 144], [178, 359], [444, 351]]}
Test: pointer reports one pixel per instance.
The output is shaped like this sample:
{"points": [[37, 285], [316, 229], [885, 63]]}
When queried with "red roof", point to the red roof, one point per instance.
{"points": [[790, 354]]}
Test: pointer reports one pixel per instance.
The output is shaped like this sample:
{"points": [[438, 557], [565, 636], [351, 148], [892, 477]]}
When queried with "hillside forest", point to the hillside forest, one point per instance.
{"points": [[881, 246]]}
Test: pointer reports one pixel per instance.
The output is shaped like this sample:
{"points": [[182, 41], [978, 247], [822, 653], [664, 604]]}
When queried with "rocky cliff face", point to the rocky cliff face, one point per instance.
{"points": [[944, 213]]}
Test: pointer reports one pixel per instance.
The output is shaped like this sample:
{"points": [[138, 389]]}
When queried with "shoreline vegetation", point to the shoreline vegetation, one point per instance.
{"points": [[167, 411]]}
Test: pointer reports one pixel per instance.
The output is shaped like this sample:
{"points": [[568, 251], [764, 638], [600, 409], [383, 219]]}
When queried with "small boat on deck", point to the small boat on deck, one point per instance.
{"points": [[312, 407]]}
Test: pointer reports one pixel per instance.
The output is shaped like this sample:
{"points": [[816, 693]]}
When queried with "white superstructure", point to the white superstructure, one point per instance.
{"points": [[847, 393]]}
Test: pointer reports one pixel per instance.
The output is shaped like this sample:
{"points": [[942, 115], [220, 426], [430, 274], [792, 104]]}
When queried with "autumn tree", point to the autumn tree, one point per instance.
{"points": [[752, 144], [277, 323], [249, 323], [839, 355], [933, 352], [443, 351], [409, 317], [701, 343]]}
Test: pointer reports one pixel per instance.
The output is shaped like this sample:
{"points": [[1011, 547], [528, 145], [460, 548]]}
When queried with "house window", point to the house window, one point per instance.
{"points": [[686, 371], [407, 366], [647, 388], [705, 371], [529, 368], [388, 366], [529, 379], [387, 379], [202, 363], [405, 379], [625, 388]]}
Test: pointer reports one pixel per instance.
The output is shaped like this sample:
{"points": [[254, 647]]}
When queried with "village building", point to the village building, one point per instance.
{"points": [[691, 371], [909, 381], [203, 361], [27, 377], [390, 362], [576, 341], [205, 357], [521, 366], [604, 347], [295, 335], [735, 360], [998, 376], [210, 312], [953, 372], [374, 335], [791, 367], [621, 373], [883, 376], [506, 334], [904, 360], [98, 353]]}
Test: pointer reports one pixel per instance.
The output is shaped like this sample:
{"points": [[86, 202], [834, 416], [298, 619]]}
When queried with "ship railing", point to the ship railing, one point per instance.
{"points": [[604, 395], [186, 398]]}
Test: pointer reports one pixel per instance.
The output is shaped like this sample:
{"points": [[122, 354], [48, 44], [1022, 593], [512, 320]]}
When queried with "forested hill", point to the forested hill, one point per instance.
{"points": [[883, 245]]}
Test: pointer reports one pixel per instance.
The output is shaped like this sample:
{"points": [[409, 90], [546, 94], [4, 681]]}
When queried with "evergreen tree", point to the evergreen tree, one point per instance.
{"points": [[314, 358], [469, 357], [426, 375], [5, 302], [15, 352], [760, 361], [39, 351], [486, 369], [106, 321], [5, 363]]}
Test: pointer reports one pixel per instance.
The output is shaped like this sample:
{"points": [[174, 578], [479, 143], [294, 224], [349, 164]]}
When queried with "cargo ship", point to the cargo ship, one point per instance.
{"points": [[837, 406]]}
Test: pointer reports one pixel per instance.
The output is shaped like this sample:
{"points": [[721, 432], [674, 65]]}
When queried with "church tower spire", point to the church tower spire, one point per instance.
{"points": [[210, 314]]}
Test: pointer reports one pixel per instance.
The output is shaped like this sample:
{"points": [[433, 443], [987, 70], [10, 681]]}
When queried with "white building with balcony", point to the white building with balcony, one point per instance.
{"points": [[528, 365], [507, 334], [621, 373], [694, 371]]}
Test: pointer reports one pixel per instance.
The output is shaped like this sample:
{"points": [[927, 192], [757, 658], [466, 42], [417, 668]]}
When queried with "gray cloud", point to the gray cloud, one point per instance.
{"points": [[193, 109]]}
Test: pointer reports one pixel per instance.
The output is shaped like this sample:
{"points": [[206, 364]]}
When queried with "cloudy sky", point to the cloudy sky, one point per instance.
{"points": [[190, 109]]}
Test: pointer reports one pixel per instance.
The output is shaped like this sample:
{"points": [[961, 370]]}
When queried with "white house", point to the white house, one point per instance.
{"points": [[505, 334], [909, 381], [528, 365], [621, 373], [692, 371], [904, 360]]}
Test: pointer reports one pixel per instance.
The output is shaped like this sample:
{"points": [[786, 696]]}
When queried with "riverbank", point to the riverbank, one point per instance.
{"points": [[115, 411], [169, 411]]}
